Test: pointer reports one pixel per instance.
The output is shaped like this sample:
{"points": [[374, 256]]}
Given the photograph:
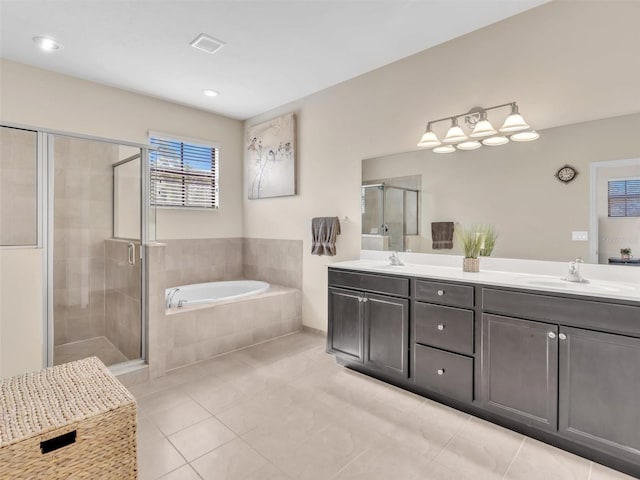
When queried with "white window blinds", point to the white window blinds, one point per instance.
{"points": [[183, 174], [624, 198]]}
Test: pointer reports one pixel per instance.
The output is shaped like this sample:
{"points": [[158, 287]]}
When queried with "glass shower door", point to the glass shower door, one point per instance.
{"points": [[394, 217], [96, 280]]}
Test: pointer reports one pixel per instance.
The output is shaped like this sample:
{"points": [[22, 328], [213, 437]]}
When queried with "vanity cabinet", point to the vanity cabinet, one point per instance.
{"points": [[520, 363], [367, 327], [600, 391], [561, 368]]}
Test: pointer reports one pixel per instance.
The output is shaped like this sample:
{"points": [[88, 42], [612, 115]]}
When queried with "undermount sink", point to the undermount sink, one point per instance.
{"points": [[574, 286]]}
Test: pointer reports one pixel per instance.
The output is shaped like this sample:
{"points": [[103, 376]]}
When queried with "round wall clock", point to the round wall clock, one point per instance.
{"points": [[566, 174]]}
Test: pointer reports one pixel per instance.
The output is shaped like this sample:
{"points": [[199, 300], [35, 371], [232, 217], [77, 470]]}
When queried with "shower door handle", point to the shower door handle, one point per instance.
{"points": [[131, 252]]}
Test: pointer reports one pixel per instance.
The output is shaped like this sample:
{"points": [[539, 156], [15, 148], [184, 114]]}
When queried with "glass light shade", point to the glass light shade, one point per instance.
{"points": [[472, 145], [514, 123], [483, 129], [445, 149], [494, 141], [429, 139], [455, 135], [525, 136]]}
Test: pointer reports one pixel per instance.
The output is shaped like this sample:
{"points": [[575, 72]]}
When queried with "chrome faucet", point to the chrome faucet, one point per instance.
{"points": [[395, 260], [574, 272], [169, 298]]}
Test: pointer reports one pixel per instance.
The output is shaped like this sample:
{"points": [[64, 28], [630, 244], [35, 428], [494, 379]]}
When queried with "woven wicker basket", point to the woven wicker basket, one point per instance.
{"points": [[73, 421]]}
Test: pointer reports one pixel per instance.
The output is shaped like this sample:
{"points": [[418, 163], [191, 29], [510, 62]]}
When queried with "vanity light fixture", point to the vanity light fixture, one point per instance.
{"points": [[483, 132], [514, 122], [483, 128], [495, 141], [455, 133], [429, 139], [445, 149], [471, 145], [527, 136], [47, 44]]}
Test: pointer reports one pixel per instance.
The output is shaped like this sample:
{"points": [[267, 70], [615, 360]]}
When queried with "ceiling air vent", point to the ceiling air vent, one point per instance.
{"points": [[207, 43]]}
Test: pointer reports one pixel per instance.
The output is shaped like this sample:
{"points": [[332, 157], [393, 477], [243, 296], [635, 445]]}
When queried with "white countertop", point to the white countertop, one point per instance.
{"points": [[530, 281]]}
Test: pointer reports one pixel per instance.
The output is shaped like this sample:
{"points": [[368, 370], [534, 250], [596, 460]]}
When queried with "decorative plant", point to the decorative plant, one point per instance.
{"points": [[471, 240], [490, 237], [626, 252]]}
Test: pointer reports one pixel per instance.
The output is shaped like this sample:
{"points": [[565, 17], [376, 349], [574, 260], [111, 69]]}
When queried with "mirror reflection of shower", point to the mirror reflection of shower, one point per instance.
{"points": [[390, 218]]}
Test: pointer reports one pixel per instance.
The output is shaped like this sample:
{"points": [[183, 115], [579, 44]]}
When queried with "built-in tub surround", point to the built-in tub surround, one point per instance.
{"points": [[203, 331], [258, 318], [273, 261]]}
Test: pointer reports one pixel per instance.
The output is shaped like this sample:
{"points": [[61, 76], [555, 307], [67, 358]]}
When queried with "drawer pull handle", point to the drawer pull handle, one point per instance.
{"points": [[441, 371], [562, 336], [552, 335], [440, 293], [440, 327], [60, 441]]}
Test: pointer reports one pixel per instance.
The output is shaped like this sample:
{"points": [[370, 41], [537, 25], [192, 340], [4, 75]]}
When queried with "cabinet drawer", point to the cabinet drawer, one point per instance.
{"points": [[442, 372], [443, 327], [444, 293], [373, 283], [565, 311]]}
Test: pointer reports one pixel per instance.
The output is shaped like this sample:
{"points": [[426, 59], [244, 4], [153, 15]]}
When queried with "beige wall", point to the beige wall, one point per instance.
{"points": [[564, 62], [21, 324], [40, 98], [513, 188]]}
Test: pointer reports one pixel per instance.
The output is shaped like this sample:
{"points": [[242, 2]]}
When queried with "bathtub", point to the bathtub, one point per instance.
{"points": [[213, 292]]}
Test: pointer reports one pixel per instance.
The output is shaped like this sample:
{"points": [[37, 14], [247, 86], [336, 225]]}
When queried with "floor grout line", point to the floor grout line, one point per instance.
{"points": [[514, 457]]}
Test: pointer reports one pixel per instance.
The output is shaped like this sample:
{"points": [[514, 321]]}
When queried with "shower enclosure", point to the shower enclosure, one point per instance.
{"points": [[389, 217], [81, 201]]}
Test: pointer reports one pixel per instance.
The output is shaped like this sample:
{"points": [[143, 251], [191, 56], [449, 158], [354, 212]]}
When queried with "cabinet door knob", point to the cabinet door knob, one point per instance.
{"points": [[365, 299], [440, 327], [441, 371], [552, 335], [440, 293], [360, 299], [562, 336]]}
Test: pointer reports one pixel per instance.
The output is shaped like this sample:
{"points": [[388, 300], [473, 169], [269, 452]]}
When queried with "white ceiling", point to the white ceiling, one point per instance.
{"points": [[276, 51]]}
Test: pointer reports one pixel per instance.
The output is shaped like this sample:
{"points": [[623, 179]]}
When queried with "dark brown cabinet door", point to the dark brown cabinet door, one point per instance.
{"points": [[520, 369], [386, 333], [600, 391], [346, 329]]}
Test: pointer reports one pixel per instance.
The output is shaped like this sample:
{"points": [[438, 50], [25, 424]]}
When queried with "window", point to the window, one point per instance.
{"points": [[624, 198], [183, 174]]}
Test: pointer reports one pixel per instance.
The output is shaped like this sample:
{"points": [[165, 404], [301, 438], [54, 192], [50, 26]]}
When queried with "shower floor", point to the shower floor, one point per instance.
{"points": [[99, 347]]}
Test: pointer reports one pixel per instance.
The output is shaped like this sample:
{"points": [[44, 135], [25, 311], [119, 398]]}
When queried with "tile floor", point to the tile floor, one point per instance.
{"points": [[99, 347], [285, 410]]}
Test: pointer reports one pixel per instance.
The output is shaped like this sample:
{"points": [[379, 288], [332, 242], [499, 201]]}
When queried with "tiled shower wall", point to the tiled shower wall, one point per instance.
{"points": [[122, 308], [83, 219]]}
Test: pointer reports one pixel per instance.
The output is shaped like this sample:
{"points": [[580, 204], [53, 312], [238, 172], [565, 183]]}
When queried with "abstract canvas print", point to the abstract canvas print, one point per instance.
{"points": [[271, 158]]}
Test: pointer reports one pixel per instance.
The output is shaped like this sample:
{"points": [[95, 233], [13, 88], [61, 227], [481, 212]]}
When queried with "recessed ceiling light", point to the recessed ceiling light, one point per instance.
{"points": [[210, 93], [47, 44]]}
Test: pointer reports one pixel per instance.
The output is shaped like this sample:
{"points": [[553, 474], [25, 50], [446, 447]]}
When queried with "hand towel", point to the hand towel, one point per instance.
{"points": [[324, 231], [442, 235]]}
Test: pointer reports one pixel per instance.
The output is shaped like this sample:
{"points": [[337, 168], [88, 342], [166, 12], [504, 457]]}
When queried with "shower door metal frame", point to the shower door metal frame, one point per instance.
{"points": [[45, 228]]}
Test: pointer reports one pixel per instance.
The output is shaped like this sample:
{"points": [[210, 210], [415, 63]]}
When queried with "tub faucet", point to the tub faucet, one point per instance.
{"points": [[169, 297], [395, 260], [574, 272]]}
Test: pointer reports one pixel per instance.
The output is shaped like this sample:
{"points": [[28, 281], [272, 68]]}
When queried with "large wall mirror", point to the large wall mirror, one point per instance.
{"points": [[514, 188]]}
